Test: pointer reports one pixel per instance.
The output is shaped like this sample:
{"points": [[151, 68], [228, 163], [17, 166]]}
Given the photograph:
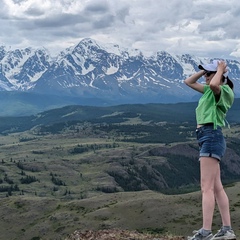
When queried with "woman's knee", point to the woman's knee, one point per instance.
{"points": [[207, 187], [218, 192]]}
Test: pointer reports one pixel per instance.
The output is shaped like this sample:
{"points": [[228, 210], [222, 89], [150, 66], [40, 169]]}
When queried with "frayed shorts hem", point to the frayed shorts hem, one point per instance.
{"points": [[210, 155]]}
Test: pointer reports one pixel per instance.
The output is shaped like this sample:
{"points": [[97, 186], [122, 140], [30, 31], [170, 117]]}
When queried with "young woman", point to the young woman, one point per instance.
{"points": [[211, 111]]}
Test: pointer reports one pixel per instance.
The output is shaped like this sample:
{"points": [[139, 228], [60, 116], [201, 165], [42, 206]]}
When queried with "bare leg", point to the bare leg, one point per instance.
{"points": [[209, 170], [222, 200]]}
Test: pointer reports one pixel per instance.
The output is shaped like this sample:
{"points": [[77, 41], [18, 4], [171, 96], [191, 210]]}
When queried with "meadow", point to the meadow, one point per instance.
{"points": [[124, 173]]}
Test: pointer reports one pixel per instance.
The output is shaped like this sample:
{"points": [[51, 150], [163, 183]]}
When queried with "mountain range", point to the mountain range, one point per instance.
{"points": [[93, 73]]}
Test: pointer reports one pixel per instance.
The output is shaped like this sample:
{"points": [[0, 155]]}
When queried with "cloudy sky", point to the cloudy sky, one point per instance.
{"points": [[206, 28]]}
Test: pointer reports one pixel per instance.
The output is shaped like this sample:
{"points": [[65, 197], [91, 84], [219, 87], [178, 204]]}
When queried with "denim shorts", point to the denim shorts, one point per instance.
{"points": [[211, 142]]}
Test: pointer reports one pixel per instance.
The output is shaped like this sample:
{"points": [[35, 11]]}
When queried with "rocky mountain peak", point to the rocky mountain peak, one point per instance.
{"points": [[106, 71]]}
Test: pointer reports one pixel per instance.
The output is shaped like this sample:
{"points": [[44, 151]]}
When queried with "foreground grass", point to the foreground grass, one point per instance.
{"points": [[147, 212]]}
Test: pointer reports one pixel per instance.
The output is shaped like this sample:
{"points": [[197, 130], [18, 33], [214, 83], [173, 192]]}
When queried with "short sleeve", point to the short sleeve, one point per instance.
{"points": [[226, 98]]}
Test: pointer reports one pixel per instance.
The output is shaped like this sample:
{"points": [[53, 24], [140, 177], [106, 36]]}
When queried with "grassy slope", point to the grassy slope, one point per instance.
{"points": [[47, 214], [52, 215], [49, 218]]}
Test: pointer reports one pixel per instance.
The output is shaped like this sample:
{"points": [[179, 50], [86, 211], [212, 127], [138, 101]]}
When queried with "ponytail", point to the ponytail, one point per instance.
{"points": [[229, 83]]}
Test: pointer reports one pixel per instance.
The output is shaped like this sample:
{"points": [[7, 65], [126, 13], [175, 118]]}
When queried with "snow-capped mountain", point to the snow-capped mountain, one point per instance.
{"points": [[105, 71]]}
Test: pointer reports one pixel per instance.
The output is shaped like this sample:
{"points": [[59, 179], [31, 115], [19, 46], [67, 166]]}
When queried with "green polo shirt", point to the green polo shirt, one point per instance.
{"points": [[210, 111]]}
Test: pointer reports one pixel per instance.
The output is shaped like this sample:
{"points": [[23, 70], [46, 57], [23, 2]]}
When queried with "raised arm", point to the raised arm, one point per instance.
{"points": [[217, 79], [192, 81]]}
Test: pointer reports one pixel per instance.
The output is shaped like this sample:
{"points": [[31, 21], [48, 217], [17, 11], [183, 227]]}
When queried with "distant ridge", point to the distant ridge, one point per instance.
{"points": [[157, 112]]}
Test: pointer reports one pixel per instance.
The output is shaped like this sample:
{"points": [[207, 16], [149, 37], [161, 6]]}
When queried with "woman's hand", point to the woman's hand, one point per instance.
{"points": [[216, 81], [222, 67]]}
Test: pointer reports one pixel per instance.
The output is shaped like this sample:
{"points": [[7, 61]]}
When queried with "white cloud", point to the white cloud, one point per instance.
{"points": [[199, 27]]}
